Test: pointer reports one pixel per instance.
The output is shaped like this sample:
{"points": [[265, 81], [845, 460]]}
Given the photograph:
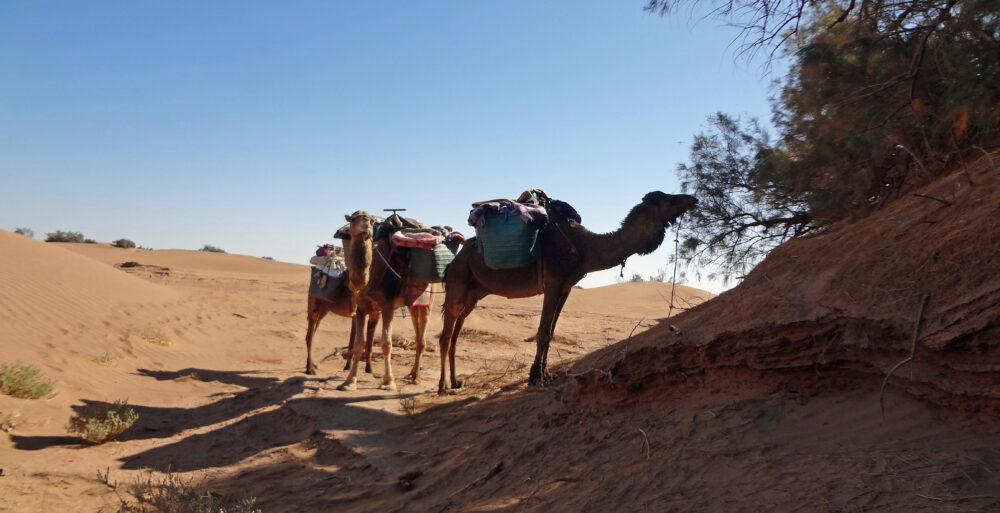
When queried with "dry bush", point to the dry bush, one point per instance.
{"points": [[487, 337], [99, 423], [24, 381], [171, 494], [154, 336]]}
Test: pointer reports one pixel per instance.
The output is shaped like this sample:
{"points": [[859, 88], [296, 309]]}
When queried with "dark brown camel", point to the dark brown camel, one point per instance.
{"points": [[568, 251], [384, 292]]}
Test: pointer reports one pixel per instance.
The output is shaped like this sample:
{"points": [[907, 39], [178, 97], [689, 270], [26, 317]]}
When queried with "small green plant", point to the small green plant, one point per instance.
{"points": [[123, 243], [61, 236], [172, 494], [25, 381], [105, 358], [212, 249], [268, 258], [101, 422], [27, 232]]}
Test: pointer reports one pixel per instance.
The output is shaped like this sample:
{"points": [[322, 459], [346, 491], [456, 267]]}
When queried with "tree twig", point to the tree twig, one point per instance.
{"points": [[913, 350]]}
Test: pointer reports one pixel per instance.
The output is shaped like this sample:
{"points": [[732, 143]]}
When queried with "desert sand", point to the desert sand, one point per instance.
{"points": [[768, 397], [203, 343]]}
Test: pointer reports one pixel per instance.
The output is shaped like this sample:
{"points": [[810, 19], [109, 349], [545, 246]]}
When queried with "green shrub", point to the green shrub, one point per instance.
{"points": [[268, 258], [25, 381], [61, 236], [212, 249], [27, 232], [123, 243], [101, 422]]}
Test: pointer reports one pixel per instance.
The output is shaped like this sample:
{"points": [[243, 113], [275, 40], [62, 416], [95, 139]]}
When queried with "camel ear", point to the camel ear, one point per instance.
{"points": [[348, 217], [653, 196]]}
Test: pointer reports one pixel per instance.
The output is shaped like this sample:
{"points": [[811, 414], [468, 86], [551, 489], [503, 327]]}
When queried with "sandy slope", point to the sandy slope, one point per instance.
{"points": [[209, 349]]}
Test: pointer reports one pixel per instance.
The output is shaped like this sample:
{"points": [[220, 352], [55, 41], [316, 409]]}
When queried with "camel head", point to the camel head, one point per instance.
{"points": [[362, 224], [360, 257], [669, 206]]}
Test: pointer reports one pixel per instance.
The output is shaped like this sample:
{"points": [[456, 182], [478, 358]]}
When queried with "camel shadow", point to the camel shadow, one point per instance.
{"points": [[294, 421], [164, 422], [37, 443]]}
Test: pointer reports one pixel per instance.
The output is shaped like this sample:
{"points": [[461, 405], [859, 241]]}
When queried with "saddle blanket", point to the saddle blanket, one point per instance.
{"points": [[418, 293], [420, 240]]}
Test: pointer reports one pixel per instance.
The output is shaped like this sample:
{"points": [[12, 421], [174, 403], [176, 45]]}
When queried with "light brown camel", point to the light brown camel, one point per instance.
{"points": [[567, 252], [384, 292], [341, 305]]}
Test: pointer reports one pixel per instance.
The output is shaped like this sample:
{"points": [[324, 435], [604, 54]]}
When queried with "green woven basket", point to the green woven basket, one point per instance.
{"points": [[506, 241], [429, 264]]}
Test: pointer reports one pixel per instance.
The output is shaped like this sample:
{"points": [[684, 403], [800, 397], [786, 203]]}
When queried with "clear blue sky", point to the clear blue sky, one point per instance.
{"points": [[255, 126]]}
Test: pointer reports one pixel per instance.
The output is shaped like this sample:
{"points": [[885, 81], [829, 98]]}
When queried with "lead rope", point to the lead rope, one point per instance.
{"points": [[379, 253], [673, 282]]}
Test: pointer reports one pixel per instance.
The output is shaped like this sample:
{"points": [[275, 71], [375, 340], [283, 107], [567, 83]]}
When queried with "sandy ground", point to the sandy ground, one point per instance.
{"points": [[203, 344]]}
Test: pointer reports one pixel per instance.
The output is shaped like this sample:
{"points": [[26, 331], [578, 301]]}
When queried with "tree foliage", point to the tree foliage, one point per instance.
{"points": [[880, 97], [61, 236], [123, 243], [748, 199]]}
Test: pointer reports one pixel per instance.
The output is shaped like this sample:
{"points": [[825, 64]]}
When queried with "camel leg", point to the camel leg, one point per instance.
{"points": [[449, 336], [350, 347], [546, 327], [418, 314], [369, 339], [552, 334], [388, 380], [351, 381], [455, 383], [315, 313]]}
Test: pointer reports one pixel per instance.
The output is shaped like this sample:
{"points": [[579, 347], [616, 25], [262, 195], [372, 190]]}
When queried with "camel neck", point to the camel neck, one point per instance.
{"points": [[640, 233]]}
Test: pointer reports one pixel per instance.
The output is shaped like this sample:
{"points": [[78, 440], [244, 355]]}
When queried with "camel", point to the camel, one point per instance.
{"points": [[567, 252], [343, 306], [383, 292]]}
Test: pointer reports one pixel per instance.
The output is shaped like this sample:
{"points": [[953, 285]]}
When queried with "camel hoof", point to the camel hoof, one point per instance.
{"points": [[348, 386], [311, 370], [368, 368], [412, 378], [457, 384], [391, 386]]}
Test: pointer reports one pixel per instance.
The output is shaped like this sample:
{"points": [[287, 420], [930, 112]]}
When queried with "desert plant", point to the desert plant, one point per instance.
{"points": [[61, 236], [268, 258], [101, 422], [172, 494], [212, 249], [154, 336], [123, 243], [106, 358], [27, 232], [25, 381]]}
